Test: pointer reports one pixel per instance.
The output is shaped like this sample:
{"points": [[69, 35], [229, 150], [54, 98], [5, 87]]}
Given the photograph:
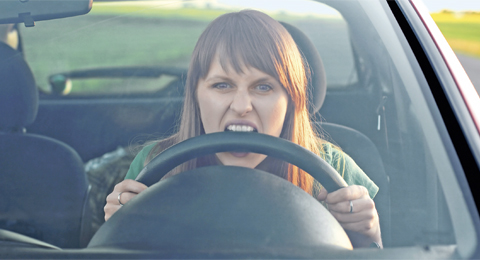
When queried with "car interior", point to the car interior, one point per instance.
{"points": [[39, 165], [371, 118]]}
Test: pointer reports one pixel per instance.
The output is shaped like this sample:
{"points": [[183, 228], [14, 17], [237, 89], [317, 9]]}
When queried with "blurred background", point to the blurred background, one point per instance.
{"points": [[459, 21]]}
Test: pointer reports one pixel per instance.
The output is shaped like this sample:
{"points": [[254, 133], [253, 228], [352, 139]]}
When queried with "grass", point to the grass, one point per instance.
{"points": [[462, 30], [163, 11], [103, 40], [113, 35]]}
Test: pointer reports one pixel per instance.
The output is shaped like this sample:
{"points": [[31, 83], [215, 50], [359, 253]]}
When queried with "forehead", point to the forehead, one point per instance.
{"points": [[233, 63], [227, 67]]}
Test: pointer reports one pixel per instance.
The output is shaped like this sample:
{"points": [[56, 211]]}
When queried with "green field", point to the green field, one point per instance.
{"points": [[136, 34], [115, 35], [462, 30], [109, 39]]}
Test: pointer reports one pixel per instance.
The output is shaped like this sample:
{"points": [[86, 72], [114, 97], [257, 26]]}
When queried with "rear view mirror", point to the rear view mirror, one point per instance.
{"points": [[29, 11]]}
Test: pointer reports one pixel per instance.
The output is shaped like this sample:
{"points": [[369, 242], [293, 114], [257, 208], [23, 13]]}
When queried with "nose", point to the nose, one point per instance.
{"points": [[241, 103]]}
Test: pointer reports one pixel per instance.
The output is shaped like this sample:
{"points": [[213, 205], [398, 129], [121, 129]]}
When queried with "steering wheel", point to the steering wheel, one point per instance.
{"points": [[242, 142], [224, 210]]}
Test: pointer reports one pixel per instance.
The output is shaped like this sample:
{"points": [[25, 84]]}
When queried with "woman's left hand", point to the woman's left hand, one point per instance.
{"points": [[355, 211]]}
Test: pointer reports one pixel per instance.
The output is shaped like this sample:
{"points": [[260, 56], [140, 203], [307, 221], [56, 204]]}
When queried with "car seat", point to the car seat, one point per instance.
{"points": [[43, 186], [357, 145]]}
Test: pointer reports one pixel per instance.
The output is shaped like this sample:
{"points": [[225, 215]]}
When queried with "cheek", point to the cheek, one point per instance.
{"points": [[274, 116], [205, 109], [210, 110]]}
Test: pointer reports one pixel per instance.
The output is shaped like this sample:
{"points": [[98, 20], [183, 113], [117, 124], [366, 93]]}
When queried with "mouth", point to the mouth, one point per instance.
{"points": [[240, 128]]}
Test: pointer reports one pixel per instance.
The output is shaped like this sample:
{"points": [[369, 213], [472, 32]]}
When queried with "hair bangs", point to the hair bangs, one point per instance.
{"points": [[239, 45], [243, 51]]}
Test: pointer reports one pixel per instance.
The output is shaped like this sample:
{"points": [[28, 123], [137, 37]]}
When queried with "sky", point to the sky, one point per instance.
{"points": [[432, 5], [454, 5]]}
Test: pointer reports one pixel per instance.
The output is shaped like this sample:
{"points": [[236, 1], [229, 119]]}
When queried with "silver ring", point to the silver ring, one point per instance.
{"points": [[351, 207], [119, 195]]}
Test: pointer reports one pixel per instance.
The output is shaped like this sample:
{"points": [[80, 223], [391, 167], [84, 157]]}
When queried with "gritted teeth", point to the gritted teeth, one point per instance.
{"points": [[240, 128]]}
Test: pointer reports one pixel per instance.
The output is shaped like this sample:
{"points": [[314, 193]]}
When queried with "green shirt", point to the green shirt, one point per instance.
{"points": [[344, 164]]}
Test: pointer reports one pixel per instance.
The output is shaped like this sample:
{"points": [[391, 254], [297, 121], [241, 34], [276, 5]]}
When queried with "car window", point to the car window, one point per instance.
{"points": [[158, 35]]}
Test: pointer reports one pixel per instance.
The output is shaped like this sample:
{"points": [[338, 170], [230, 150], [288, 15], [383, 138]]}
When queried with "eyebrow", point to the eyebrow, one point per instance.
{"points": [[215, 77], [266, 79], [227, 79]]}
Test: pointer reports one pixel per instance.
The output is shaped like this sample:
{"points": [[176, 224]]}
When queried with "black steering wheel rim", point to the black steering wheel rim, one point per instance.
{"points": [[218, 142], [223, 208]]}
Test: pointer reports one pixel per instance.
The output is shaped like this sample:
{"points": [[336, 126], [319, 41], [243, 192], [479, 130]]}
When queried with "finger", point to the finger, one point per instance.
{"points": [[352, 206], [366, 227], [126, 197], [113, 198], [322, 194], [123, 192], [130, 186], [348, 193], [113, 202], [110, 209], [355, 217]]}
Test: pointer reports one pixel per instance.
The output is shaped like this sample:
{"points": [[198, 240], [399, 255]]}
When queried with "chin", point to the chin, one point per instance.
{"points": [[249, 160]]}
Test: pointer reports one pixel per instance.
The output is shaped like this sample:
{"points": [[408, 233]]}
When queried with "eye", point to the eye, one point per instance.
{"points": [[263, 88], [221, 86]]}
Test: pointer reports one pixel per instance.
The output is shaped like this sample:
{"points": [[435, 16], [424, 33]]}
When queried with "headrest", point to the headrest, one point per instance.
{"points": [[18, 92], [318, 80]]}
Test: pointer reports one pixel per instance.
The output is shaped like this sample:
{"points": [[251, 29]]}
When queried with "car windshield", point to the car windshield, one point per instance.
{"points": [[113, 80], [164, 34]]}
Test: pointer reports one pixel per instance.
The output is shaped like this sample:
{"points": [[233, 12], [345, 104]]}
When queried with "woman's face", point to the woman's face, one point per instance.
{"points": [[249, 101]]}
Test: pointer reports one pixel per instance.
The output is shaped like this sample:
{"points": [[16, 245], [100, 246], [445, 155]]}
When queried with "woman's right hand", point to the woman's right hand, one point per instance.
{"points": [[127, 189]]}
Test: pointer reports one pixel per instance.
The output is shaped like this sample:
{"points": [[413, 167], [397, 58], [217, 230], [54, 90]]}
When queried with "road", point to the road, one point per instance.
{"points": [[472, 67]]}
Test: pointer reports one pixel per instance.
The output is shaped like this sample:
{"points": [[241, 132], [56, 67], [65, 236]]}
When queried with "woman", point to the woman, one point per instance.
{"points": [[247, 74]]}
